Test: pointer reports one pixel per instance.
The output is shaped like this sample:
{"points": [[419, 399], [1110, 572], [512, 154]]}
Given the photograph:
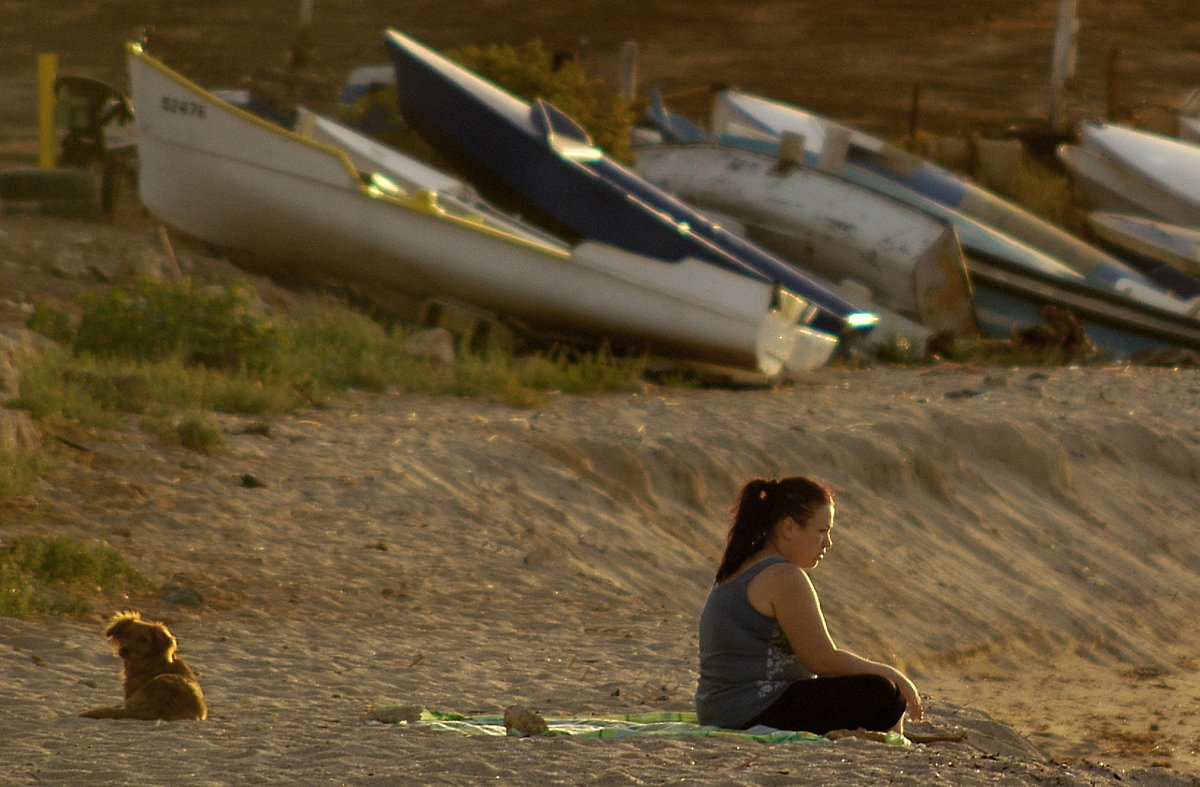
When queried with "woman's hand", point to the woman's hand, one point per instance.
{"points": [[912, 697]]}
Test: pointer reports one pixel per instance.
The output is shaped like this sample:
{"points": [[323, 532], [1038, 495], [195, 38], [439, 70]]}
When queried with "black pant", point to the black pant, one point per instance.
{"points": [[845, 702]]}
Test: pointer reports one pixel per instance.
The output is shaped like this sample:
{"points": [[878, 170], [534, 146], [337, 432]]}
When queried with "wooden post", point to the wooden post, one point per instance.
{"points": [[174, 273], [1062, 67], [791, 152], [299, 56], [1113, 104], [914, 113], [47, 73], [629, 75], [834, 149]]}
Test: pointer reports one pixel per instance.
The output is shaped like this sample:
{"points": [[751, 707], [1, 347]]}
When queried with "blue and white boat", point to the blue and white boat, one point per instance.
{"points": [[1010, 280], [864, 159], [1107, 186], [1160, 175], [1153, 242], [540, 162]]}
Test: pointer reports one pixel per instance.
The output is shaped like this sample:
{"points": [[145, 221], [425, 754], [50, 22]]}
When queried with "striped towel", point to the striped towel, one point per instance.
{"points": [[666, 724]]}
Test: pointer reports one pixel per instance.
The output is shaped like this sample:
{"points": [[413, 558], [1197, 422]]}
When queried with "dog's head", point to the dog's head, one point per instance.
{"points": [[137, 639]]}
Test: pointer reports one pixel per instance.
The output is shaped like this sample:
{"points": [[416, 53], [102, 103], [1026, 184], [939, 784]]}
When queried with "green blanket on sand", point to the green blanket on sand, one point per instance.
{"points": [[663, 725]]}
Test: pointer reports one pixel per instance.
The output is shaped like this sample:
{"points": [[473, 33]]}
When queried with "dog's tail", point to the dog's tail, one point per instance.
{"points": [[115, 712]]}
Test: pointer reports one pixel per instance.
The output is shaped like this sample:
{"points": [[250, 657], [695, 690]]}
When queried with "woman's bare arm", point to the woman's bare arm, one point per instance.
{"points": [[785, 592]]}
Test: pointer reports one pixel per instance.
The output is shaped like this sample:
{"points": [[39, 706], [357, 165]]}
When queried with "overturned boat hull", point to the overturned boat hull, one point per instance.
{"points": [[908, 261]]}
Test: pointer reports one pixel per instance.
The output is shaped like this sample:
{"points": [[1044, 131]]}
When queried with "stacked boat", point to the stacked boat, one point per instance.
{"points": [[1143, 192], [536, 160], [331, 204], [767, 244], [1018, 263], [904, 260]]}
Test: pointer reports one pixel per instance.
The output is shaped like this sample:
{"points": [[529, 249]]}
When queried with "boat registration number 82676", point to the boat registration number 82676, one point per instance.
{"points": [[185, 108]]}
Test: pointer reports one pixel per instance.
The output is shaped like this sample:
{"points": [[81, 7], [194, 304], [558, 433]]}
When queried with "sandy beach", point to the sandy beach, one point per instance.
{"points": [[1020, 540]]}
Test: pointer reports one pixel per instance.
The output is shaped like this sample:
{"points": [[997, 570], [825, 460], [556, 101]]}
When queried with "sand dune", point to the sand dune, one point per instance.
{"points": [[1021, 540]]}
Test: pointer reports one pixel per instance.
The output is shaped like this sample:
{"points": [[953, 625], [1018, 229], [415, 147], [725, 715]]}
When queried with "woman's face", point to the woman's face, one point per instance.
{"points": [[805, 543]]}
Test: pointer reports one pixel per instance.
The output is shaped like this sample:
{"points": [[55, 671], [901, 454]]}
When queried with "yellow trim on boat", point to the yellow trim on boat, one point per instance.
{"points": [[422, 201]]}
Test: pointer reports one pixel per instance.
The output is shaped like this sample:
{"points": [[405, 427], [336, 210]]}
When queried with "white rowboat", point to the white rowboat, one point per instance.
{"points": [[237, 181], [1168, 168], [868, 161], [1107, 186], [908, 261], [1176, 246]]}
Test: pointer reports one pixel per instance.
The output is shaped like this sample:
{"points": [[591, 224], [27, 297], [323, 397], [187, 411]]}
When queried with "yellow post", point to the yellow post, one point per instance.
{"points": [[47, 72]]}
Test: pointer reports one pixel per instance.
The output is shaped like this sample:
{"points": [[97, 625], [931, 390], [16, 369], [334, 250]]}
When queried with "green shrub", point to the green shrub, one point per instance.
{"points": [[41, 575], [529, 72], [93, 391], [18, 469], [1047, 193], [580, 372], [159, 320], [521, 382], [57, 386], [199, 432], [136, 353], [255, 394], [341, 348], [50, 322]]}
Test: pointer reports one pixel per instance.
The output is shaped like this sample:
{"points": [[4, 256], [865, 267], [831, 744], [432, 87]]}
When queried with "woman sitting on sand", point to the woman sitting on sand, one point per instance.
{"points": [[766, 656]]}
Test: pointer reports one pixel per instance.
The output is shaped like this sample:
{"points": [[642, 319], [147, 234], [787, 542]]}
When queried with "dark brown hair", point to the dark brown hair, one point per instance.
{"points": [[761, 504]]}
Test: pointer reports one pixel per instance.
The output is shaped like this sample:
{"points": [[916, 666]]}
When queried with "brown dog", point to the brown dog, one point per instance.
{"points": [[157, 684]]}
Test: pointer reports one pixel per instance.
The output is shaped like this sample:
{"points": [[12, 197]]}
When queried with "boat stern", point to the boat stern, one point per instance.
{"points": [[786, 344]]}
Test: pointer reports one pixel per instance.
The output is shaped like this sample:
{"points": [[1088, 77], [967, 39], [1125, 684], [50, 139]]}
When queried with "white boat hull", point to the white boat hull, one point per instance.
{"points": [[1107, 186], [869, 160], [1189, 129], [1163, 172], [234, 180], [1174, 245], [908, 261]]}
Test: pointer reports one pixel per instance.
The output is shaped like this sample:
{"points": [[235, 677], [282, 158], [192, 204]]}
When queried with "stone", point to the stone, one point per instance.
{"points": [[523, 722], [435, 344]]}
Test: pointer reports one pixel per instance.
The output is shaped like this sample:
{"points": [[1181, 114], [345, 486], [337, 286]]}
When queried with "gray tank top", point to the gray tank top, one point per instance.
{"points": [[746, 662]]}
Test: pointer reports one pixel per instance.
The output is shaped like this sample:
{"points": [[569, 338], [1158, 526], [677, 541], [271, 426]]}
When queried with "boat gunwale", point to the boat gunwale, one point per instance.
{"points": [[1144, 319]]}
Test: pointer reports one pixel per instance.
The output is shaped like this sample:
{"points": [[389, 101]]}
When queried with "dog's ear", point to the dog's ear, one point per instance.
{"points": [[164, 641], [119, 623]]}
